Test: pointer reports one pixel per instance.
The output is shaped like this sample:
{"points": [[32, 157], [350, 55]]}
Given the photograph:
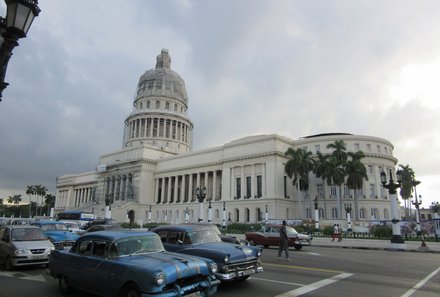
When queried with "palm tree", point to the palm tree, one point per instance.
{"points": [[49, 201], [298, 167], [335, 169], [319, 169], [356, 174], [30, 191], [406, 188], [1, 203], [16, 199], [40, 191]]}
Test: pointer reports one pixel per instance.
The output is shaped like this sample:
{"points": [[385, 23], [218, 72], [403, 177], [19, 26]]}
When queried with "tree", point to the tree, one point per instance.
{"points": [[356, 174], [30, 191], [40, 191], [49, 201], [15, 199], [407, 187], [334, 169], [298, 167]]}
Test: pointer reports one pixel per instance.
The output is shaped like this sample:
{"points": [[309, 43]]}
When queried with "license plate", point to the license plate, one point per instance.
{"points": [[36, 257], [248, 271], [195, 294]]}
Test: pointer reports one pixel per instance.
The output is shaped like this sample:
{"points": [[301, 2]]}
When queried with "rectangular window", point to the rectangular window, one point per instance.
{"points": [[333, 191], [370, 169], [369, 147], [356, 147], [259, 186], [378, 148], [372, 191], [285, 187], [320, 190], [248, 187], [238, 187], [318, 148]]}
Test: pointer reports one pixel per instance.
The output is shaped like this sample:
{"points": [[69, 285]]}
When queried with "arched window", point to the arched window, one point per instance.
{"points": [[362, 213], [334, 213], [258, 214], [167, 105], [246, 215], [140, 106], [175, 107], [308, 213], [157, 104], [237, 215], [386, 214], [148, 104], [321, 213]]}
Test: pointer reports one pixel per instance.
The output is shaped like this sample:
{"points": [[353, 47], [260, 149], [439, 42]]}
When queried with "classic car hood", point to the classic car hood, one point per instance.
{"points": [[236, 252], [61, 235], [176, 265], [33, 244]]}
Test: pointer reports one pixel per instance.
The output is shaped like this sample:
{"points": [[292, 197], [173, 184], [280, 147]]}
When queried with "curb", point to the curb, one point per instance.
{"points": [[419, 250]]}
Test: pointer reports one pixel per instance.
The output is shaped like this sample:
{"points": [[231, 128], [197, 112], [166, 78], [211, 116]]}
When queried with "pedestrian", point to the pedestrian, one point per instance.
{"points": [[339, 233], [335, 231], [284, 242]]}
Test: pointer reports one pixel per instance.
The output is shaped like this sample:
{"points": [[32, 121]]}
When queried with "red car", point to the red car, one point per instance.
{"points": [[270, 235]]}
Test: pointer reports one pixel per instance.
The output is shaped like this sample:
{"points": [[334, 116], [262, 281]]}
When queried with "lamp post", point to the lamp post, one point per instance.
{"points": [[347, 207], [396, 240], [186, 215], [149, 214], [316, 214], [209, 212], [201, 194], [108, 203], [224, 216], [19, 17], [266, 216], [417, 202]]}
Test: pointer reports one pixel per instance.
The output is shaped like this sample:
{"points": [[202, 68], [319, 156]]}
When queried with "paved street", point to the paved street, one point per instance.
{"points": [[349, 270]]}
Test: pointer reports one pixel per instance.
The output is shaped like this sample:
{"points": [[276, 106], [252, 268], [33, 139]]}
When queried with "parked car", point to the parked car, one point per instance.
{"points": [[22, 245], [226, 238], [98, 222], [74, 227], [58, 233], [235, 262], [95, 228], [270, 235], [130, 263]]}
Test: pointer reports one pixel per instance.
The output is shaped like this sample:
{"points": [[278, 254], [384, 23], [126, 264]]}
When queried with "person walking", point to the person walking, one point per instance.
{"points": [[335, 231], [284, 242]]}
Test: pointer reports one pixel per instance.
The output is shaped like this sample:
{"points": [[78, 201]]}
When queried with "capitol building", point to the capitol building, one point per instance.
{"points": [[157, 177]]}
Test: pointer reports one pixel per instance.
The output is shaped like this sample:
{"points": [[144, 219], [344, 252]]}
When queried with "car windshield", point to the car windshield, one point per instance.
{"points": [[202, 236], [54, 227], [291, 230], [27, 234], [136, 245], [71, 225]]}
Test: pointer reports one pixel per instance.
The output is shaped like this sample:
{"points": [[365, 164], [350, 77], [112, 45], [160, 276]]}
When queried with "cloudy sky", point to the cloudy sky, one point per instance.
{"points": [[294, 68]]}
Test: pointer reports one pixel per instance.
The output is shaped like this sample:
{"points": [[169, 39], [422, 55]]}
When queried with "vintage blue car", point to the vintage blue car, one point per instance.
{"points": [[131, 264], [235, 261], [58, 233]]}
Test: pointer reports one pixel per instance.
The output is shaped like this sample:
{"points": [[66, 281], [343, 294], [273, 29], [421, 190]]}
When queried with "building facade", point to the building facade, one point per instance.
{"points": [[157, 177]]}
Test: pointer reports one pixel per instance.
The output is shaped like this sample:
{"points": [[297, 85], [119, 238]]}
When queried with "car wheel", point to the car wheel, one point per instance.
{"points": [[130, 290], [8, 263], [242, 278], [64, 284], [297, 247], [252, 242]]}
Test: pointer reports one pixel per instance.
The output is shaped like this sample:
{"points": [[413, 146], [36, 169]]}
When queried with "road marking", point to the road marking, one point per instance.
{"points": [[314, 286], [21, 275], [276, 281], [420, 283], [302, 267]]}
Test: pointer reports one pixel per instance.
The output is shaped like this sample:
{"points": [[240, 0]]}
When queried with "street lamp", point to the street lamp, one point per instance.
{"points": [[201, 194], [209, 212], [19, 17], [417, 202], [316, 214], [149, 214], [266, 216], [396, 240], [224, 216], [347, 207]]}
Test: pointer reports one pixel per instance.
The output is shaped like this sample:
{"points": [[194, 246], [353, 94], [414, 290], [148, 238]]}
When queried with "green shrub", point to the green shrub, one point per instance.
{"points": [[381, 231], [327, 230]]}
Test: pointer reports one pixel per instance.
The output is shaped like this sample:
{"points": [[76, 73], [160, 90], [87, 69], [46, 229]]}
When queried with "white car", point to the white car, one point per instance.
{"points": [[74, 227], [22, 245]]}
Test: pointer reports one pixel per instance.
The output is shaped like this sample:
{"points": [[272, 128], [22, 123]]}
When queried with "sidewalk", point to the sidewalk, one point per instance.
{"points": [[377, 244], [373, 244]]}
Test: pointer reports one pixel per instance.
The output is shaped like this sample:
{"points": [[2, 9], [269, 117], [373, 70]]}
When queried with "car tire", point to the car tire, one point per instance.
{"points": [[242, 278], [252, 242], [64, 284], [297, 247], [130, 290], [8, 264]]}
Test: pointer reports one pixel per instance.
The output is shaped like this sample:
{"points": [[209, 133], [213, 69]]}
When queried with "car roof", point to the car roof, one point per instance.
{"points": [[49, 222], [114, 235], [22, 226], [183, 227]]}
